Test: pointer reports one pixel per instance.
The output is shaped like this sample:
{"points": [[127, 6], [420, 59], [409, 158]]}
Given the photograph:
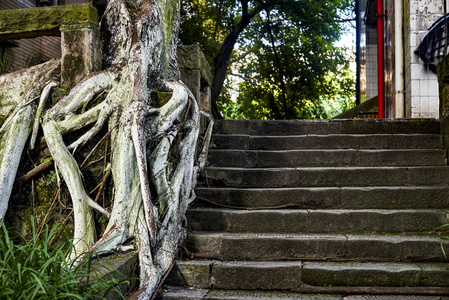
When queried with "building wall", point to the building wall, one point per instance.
{"points": [[361, 32], [407, 61], [421, 83], [421, 98], [389, 62], [371, 63]]}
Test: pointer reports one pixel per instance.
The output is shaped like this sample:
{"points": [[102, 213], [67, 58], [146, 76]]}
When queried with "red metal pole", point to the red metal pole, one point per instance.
{"points": [[380, 59]]}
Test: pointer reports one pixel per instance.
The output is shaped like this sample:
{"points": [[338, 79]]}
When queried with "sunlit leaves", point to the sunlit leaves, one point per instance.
{"points": [[285, 60]]}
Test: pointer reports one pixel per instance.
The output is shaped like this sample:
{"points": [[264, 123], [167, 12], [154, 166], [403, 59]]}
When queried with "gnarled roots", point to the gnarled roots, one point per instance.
{"points": [[154, 160]]}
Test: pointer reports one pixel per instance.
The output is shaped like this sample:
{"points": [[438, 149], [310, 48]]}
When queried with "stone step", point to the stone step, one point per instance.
{"points": [[331, 141], [255, 246], [327, 177], [375, 274], [326, 158], [316, 221], [182, 293], [396, 197], [282, 275], [300, 127]]}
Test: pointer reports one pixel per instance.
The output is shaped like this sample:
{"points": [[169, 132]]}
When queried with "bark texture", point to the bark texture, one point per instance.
{"points": [[154, 160]]}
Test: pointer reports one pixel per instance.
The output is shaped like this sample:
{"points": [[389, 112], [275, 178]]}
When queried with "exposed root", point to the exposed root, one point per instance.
{"points": [[154, 157], [137, 133], [35, 171], [202, 159], [40, 108], [18, 125]]}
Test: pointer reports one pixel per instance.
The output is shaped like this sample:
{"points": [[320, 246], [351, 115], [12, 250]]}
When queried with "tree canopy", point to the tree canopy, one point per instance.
{"points": [[282, 51]]}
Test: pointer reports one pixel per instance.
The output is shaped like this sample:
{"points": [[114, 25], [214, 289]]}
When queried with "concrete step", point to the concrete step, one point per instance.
{"points": [[316, 221], [375, 274], [255, 246], [327, 177], [178, 293], [300, 127], [326, 158], [330, 141], [396, 197], [256, 275]]}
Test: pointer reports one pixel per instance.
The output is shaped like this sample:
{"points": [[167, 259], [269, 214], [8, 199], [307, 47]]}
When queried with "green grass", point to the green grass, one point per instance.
{"points": [[34, 269]]}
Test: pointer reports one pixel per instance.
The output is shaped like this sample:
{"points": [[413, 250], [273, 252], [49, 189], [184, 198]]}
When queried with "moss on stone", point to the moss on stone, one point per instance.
{"points": [[190, 57], [29, 22], [158, 99]]}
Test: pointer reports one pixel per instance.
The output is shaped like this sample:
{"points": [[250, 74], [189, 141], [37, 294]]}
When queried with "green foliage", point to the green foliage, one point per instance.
{"points": [[34, 269], [42, 160], [286, 64], [442, 239], [50, 178], [207, 23], [6, 64], [294, 70]]}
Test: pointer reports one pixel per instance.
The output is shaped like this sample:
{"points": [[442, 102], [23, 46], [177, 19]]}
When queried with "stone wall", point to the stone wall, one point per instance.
{"points": [[32, 51], [196, 73]]}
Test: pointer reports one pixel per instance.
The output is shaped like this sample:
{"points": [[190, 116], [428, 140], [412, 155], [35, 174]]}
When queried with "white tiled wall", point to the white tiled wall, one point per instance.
{"points": [[421, 84], [371, 71]]}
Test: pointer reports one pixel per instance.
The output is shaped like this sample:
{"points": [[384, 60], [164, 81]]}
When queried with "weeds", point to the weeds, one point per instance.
{"points": [[442, 239], [34, 269], [6, 64]]}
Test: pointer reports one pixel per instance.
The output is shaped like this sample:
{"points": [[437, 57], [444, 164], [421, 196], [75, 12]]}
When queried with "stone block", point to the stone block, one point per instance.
{"points": [[159, 99], [318, 220], [39, 21], [118, 267], [192, 58], [184, 294], [196, 74], [191, 273], [434, 274], [256, 275], [361, 274], [81, 52], [192, 79]]}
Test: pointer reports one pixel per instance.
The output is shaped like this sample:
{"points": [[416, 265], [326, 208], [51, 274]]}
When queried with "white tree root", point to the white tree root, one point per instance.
{"points": [[84, 231], [40, 109], [12, 144], [150, 147], [20, 112]]}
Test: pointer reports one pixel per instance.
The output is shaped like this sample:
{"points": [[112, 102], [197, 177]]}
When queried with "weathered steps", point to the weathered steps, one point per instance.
{"points": [[300, 127], [382, 197], [292, 207], [319, 221], [206, 294], [251, 246], [330, 141], [252, 275], [198, 294], [328, 177], [326, 158]]}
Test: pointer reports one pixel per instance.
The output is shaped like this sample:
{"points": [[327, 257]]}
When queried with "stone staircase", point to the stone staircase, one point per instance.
{"points": [[288, 209]]}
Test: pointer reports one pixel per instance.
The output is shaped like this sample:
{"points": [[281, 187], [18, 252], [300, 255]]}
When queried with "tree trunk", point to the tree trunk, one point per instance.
{"points": [[139, 54], [224, 56]]}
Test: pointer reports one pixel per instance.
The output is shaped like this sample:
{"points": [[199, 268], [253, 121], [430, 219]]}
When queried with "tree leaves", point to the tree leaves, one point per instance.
{"points": [[285, 59]]}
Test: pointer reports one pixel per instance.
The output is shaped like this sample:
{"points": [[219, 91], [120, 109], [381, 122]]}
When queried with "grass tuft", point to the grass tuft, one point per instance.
{"points": [[35, 269]]}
